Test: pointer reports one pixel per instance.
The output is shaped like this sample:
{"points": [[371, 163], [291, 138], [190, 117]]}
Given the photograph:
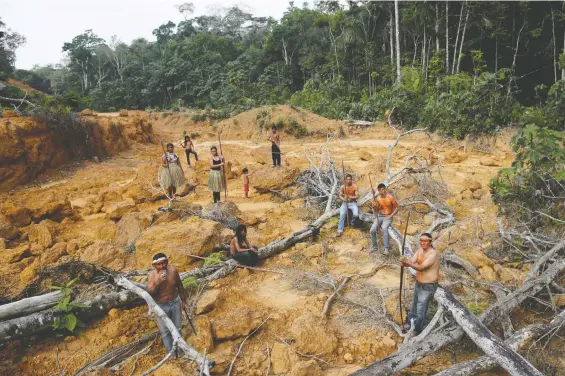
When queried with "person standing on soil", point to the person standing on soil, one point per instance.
{"points": [[348, 194], [387, 207], [172, 175], [245, 178], [165, 286], [240, 250], [426, 263], [189, 148], [275, 139], [215, 182]]}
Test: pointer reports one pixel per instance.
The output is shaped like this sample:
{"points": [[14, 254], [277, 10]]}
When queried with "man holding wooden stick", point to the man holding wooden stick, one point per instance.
{"points": [[165, 286], [426, 263], [348, 194]]}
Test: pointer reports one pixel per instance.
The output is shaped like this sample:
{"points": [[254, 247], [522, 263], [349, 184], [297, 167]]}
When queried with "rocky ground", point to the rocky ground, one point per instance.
{"points": [[106, 212]]}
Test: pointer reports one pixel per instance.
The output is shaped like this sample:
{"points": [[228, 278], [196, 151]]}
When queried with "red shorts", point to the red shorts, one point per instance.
{"points": [[245, 187]]}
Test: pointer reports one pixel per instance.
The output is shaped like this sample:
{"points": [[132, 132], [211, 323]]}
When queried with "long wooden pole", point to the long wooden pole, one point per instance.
{"points": [[168, 168], [224, 180], [345, 193], [376, 214], [402, 272]]}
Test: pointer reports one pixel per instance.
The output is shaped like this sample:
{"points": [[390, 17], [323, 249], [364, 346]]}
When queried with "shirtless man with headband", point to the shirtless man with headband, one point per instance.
{"points": [[426, 263], [165, 286]]}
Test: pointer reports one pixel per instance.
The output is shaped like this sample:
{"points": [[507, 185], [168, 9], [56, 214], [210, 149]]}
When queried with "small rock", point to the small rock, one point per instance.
{"points": [[41, 234], [365, 156], [7, 231], [52, 255], [313, 251], [282, 358], [559, 300], [454, 156], [472, 184], [348, 358], [487, 273], [488, 161], [28, 274], [207, 302], [117, 210], [311, 336], [18, 216], [12, 256], [475, 257], [96, 159]]}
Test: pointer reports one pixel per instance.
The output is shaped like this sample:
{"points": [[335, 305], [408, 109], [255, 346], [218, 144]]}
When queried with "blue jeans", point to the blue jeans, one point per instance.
{"points": [[173, 310], [385, 224], [423, 293], [343, 214]]}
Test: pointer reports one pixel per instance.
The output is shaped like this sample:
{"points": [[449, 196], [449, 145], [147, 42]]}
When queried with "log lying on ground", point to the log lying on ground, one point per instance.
{"points": [[516, 342], [117, 355], [412, 352], [499, 351], [203, 364], [30, 305], [36, 322], [454, 259]]}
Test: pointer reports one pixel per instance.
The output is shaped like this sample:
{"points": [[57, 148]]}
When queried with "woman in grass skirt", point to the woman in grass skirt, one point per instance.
{"points": [[172, 175], [216, 181]]}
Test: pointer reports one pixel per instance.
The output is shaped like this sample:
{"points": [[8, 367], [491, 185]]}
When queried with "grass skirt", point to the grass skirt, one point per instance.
{"points": [[173, 179], [215, 181]]}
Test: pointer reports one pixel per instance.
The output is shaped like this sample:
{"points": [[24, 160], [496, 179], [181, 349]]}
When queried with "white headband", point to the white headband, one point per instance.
{"points": [[159, 260], [425, 237]]}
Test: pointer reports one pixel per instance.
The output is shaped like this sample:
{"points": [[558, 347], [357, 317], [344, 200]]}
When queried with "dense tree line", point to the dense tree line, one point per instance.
{"points": [[458, 67]]}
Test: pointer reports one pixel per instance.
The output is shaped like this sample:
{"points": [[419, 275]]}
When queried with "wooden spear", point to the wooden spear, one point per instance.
{"points": [[224, 180], [345, 193], [402, 272]]}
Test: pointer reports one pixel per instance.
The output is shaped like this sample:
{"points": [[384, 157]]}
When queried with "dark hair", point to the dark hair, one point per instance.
{"points": [[240, 238], [382, 185], [273, 128], [214, 148], [348, 176], [245, 170], [185, 137], [170, 144], [158, 256]]}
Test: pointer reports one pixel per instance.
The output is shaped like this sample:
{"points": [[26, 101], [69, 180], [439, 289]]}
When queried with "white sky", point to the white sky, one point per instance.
{"points": [[47, 24]]}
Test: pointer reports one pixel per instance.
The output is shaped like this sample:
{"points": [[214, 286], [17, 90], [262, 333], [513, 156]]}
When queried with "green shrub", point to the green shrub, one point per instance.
{"points": [[213, 259], [68, 321], [189, 283], [194, 135]]}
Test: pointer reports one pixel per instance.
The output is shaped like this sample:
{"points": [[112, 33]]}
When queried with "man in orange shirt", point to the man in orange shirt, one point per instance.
{"points": [[426, 263], [387, 207]]}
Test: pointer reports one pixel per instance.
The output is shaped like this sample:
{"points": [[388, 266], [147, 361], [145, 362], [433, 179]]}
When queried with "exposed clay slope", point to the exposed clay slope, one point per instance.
{"points": [[29, 147]]}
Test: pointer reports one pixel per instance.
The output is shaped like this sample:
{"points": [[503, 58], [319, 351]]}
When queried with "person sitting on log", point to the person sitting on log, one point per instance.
{"points": [[349, 195], [172, 175], [165, 286], [387, 207], [426, 263], [241, 250]]}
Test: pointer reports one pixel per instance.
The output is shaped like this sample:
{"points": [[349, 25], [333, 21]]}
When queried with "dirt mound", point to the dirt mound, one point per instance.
{"points": [[24, 87], [256, 123]]}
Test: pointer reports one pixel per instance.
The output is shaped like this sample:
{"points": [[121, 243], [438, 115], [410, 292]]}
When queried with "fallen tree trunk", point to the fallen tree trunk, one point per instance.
{"points": [[30, 305], [499, 351], [413, 352], [203, 365], [36, 322], [516, 342]]}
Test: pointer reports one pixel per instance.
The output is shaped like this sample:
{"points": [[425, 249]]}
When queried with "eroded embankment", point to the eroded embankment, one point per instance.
{"points": [[32, 146]]}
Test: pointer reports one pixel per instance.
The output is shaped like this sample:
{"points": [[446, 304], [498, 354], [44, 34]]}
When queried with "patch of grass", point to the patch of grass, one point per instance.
{"points": [[189, 283], [213, 259], [194, 135], [477, 308]]}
